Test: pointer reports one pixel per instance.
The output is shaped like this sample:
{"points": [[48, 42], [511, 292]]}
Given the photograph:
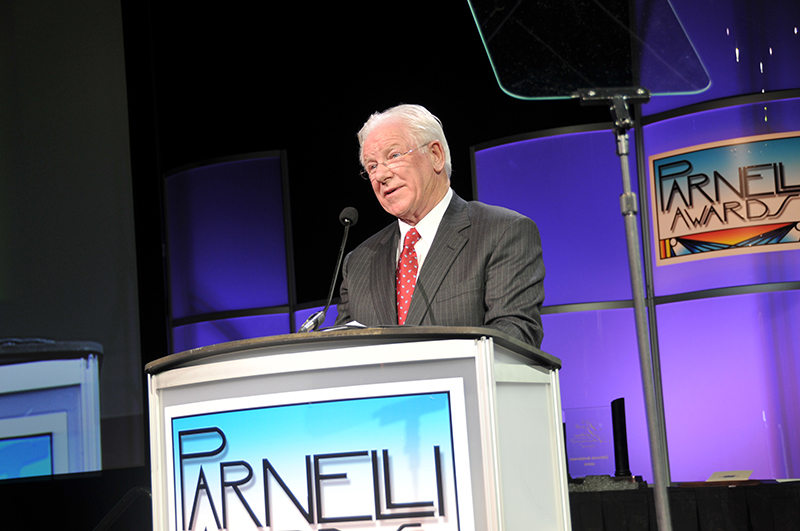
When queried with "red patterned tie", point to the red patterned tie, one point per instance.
{"points": [[406, 275]]}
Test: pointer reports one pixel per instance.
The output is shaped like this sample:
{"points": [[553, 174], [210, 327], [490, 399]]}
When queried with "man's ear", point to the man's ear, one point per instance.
{"points": [[437, 155]]}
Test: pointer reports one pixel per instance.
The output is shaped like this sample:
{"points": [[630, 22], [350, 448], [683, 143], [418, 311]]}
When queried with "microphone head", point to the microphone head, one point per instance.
{"points": [[349, 216]]}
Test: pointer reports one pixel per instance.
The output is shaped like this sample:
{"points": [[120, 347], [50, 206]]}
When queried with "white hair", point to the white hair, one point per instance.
{"points": [[423, 127]]}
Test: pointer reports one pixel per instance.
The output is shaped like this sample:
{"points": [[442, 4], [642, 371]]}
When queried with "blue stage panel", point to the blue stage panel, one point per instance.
{"points": [[730, 376], [747, 47], [226, 237], [716, 125], [569, 184], [600, 364], [204, 333]]}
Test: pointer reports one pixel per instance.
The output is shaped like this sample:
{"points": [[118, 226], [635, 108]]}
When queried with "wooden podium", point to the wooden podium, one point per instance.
{"points": [[387, 428]]}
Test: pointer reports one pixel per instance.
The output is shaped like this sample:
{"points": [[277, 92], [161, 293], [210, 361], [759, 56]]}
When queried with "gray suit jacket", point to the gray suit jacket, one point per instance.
{"points": [[484, 268]]}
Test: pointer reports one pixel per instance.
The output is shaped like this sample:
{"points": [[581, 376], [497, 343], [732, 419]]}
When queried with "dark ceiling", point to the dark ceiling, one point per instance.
{"points": [[230, 80]]}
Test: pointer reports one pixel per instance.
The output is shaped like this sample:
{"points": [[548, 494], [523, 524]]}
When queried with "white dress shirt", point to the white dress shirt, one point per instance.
{"points": [[426, 228]]}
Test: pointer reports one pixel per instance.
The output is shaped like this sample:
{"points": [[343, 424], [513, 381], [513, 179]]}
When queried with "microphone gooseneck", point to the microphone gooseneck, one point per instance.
{"points": [[348, 218]]}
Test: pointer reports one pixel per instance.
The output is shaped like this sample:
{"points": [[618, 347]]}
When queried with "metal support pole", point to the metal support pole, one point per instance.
{"points": [[617, 99], [655, 353], [628, 207]]}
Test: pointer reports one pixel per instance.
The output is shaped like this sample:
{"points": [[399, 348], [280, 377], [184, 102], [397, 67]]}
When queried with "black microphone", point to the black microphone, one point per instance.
{"points": [[348, 217]]}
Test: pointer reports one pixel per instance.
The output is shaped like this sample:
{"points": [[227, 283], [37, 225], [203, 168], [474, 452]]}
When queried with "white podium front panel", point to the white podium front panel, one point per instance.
{"points": [[388, 451], [354, 436]]}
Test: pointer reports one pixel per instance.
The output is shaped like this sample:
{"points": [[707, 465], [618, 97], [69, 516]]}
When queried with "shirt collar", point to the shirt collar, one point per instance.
{"points": [[428, 225]]}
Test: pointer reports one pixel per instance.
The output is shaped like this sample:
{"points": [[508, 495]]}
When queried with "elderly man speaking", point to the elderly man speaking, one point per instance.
{"points": [[445, 261]]}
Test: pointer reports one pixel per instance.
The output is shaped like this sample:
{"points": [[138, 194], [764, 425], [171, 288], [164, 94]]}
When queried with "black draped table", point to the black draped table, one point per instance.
{"points": [[751, 507]]}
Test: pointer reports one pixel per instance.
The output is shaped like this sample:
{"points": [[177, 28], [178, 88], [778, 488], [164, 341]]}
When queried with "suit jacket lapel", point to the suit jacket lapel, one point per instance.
{"points": [[382, 281], [447, 245]]}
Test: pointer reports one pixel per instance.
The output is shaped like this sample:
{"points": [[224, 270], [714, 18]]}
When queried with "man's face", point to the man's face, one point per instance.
{"points": [[416, 183]]}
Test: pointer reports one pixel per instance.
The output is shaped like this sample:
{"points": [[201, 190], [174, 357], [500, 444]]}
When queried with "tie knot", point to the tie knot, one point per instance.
{"points": [[411, 239]]}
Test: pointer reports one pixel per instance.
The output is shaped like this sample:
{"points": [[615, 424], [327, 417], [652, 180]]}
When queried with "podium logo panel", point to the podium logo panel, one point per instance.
{"points": [[384, 456], [732, 197]]}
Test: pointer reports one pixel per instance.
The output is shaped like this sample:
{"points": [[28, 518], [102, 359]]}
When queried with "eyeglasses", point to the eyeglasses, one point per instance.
{"points": [[371, 169]]}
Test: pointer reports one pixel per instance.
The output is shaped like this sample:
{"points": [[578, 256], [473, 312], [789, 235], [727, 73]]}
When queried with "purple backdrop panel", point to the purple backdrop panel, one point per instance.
{"points": [[206, 333], [569, 184], [226, 237], [711, 126], [730, 374], [746, 47], [600, 364]]}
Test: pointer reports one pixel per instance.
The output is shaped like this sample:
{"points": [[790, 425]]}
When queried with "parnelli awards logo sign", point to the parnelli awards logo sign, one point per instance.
{"points": [[731, 197], [377, 457]]}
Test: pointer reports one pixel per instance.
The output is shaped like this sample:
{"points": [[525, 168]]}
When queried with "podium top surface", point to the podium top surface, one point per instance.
{"points": [[28, 350], [360, 336]]}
